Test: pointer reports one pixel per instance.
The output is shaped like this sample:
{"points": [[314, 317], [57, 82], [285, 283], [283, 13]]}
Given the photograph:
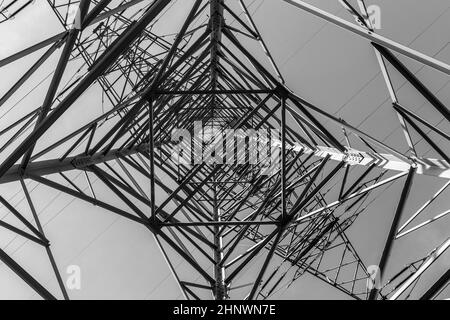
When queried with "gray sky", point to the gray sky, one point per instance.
{"points": [[324, 64]]}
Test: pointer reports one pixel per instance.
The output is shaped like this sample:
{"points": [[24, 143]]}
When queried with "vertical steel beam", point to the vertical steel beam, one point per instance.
{"points": [[426, 93], [220, 289], [47, 247], [152, 159], [57, 76], [216, 24], [283, 158], [394, 226], [265, 264]]}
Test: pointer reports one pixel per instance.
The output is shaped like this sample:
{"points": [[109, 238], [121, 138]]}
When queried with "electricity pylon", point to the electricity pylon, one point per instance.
{"points": [[221, 217]]}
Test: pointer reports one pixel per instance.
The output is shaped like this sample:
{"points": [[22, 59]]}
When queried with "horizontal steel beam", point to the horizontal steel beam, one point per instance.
{"points": [[234, 91], [45, 167], [32, 48], [425, 166]]}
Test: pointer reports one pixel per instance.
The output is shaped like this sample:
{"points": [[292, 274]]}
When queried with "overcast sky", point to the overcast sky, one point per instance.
{"points": [[320, 62]]}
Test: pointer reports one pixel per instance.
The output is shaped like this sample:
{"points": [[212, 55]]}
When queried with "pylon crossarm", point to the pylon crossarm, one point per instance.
{"points": [[290, 207]]}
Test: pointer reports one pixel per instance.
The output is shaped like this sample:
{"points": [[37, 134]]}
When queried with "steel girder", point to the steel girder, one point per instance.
{"points": [[220, 215]]}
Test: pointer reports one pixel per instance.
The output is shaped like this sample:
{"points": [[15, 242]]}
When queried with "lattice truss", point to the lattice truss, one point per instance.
{"points": [[222, 220]]}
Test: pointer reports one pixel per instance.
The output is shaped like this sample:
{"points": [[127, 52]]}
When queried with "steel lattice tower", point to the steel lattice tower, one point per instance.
{"points": [[219, 217]]}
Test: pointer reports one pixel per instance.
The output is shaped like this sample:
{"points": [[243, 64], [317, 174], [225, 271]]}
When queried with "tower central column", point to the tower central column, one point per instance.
{"points": [[220, 289], [216, 24]]}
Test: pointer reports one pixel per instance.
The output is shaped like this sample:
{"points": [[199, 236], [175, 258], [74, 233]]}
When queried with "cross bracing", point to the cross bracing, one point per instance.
{"points": [[220, 218]]}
